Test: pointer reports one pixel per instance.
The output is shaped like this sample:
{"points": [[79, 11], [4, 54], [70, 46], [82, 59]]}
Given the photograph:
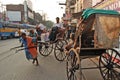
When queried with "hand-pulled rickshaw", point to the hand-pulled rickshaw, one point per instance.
{"points": [[53, 44], [45, 47], [98, 37]]}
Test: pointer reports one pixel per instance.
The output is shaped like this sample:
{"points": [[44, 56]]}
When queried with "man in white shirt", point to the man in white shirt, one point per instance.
{"points": [[58, 24], [61, 29]]}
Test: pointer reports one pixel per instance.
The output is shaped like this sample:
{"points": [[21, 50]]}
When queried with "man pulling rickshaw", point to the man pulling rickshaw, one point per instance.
{"points": [[28, 44]]}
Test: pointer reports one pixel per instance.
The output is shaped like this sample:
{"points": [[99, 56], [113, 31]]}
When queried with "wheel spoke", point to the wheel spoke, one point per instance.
{"points": [[107, 55], [105, 73], [114, 57], [59, 55], [71, 61], [104, 70], [59, 52], [111, 65], [46, 50], [111, 55], [111, 75], [108, 71], [117, 74], [58, 47], [104, 60]]}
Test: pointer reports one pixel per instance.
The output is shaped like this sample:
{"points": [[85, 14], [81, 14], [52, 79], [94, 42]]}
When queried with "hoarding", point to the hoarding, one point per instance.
{"points": [[30, 15], [109, 5], [13, 15]]}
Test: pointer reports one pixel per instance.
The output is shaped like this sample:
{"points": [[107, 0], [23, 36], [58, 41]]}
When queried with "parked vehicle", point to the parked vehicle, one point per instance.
{"points": [[6, 32], [12, 30]]}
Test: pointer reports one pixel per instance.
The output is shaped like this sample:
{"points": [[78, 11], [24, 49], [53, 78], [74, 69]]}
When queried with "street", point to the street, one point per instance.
{"points": [[14, 66], [90, 30]]}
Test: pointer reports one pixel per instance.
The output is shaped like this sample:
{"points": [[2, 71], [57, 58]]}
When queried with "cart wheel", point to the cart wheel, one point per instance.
{"points": [[109, 63], [59, 50], [70, 66], [45, 49]]}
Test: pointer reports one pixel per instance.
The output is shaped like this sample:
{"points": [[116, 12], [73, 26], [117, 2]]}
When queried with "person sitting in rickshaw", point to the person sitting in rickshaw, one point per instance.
{"points": [[42, 32], [38, 32], [57, 31]]}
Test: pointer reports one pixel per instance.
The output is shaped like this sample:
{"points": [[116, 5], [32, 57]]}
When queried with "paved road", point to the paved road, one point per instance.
{"points": [[14, 66]]}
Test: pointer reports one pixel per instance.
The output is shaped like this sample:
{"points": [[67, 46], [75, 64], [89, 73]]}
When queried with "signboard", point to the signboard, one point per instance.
{"points": [[30, 15], [13, 15], [109, 5]]}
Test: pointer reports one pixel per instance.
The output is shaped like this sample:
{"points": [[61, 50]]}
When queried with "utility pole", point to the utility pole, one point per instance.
{"points": [[25, 12], [1, 12]]}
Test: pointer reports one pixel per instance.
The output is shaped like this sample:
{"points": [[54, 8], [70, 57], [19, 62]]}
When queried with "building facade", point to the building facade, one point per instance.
{"points": [[21, 13], [15, 13], [76, 6]]}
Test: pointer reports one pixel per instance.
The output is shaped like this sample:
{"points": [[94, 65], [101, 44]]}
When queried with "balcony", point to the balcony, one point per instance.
{"points": [[72, 6], [72, 2]]}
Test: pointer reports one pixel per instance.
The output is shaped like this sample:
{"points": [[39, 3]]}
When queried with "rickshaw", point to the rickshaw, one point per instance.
{"points": [[45, 48], [98, 37], [57, 46]]}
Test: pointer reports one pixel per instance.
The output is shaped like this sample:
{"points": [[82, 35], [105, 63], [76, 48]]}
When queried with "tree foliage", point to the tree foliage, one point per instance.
{"points": [[48, 24]]}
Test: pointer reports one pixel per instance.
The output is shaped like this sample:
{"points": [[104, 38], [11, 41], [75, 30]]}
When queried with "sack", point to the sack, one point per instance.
{"points": [[55, 29], [53, 34]]}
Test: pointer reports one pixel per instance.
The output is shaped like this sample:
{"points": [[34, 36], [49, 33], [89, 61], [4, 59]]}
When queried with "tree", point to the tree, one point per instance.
{"points": [[48, 24]]}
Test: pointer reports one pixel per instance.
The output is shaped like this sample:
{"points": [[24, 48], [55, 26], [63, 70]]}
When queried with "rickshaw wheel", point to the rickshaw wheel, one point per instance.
{"points": [[70, 64], [45, 49], [59, 50], [109, 65]]}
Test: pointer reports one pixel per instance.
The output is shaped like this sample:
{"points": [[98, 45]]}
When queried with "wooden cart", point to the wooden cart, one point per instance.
{"points": [[98, 37]]}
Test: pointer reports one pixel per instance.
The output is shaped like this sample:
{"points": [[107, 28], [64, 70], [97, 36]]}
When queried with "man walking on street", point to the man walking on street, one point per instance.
{"points": [[30, 48]]}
